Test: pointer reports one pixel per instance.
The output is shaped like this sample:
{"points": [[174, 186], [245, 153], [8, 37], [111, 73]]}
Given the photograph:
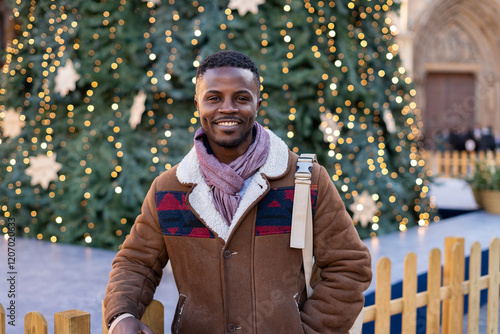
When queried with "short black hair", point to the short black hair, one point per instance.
{"points": [[228, 58]]}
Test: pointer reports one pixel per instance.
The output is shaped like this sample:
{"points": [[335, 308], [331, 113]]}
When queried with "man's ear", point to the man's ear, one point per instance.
{"points": [[196, 102], [259, 103]]}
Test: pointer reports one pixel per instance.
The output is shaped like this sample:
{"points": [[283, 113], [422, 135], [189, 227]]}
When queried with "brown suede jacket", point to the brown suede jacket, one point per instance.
{"points": [[242, 278]]}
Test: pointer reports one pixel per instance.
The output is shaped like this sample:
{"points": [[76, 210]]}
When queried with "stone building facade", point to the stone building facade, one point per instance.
{"points": [[451, 48]]}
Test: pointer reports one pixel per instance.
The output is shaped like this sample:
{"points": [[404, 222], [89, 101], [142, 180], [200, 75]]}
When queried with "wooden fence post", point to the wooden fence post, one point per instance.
{"points": [[35, 323], [2, 319], [410, 293], [447, 163], [434, 292], [453, 276], [455, 164], [383, 297], [493, 288], [154, 317], [104, 324], [464, 164], [72, 322], [474, 289], [472, 159]]}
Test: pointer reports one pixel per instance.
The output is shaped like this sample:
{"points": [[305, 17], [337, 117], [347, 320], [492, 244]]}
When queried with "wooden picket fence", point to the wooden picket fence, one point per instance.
{"points": [[449, 295], [78, 322], [456, 164]]}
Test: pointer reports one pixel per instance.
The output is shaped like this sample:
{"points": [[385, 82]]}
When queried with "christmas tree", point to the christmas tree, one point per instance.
{"points": [[97, 100]]}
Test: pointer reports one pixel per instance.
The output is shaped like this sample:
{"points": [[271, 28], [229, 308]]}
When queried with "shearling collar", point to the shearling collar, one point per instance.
{"points": [[200, 199]]}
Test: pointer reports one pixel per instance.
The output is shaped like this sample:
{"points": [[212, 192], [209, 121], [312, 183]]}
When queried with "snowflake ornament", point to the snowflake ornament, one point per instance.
{"points": [[244, 6], [66, 78], [12, 124], [43, 169], [137, 109], [330, 128], [389, 121], [363, 208]]}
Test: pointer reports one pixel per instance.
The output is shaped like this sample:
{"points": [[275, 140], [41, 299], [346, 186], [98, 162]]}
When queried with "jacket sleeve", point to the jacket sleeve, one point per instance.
{"points": [[138, 266], [344, 262]]}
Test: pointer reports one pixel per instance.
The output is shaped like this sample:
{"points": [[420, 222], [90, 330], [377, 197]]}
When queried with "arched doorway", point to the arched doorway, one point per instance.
{"points": [[456, 67]]}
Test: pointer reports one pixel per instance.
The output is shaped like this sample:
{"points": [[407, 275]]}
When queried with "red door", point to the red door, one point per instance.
{"points": [[449, 108]]}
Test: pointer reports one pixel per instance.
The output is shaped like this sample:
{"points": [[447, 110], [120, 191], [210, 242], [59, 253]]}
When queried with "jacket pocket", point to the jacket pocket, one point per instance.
{"points": [[176, 323]]}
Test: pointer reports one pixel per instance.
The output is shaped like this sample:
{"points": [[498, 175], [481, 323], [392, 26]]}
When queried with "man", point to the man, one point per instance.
{"points": [[222, 217]]}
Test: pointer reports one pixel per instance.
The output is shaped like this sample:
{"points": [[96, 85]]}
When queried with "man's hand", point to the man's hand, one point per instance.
{"points": [[131, 326]]}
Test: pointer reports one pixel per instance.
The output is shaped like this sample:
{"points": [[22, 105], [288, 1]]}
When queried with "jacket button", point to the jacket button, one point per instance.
{"points": [[232, 327], [227, 255]]}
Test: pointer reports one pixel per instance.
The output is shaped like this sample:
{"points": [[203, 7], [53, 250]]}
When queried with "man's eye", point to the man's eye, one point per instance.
{"points": [[242, 98], [213, 98]]}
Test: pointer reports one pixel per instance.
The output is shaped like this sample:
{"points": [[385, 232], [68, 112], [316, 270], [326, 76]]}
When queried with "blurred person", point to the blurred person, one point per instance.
{"points": [[457, 139], [471, 141], [487, 141]]}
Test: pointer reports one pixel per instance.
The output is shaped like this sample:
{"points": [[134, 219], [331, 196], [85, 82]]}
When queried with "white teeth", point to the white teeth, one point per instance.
{"points": [[228, 123]]}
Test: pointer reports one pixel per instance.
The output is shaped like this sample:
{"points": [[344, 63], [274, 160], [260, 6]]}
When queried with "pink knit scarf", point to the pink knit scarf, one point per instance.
{"points": [[226, 181]]}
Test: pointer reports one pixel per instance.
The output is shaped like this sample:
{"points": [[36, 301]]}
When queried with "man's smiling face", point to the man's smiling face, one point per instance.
{"points": [[227, 99]]}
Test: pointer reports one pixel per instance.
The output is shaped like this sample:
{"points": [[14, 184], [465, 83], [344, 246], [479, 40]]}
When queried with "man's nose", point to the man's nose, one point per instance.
{"points": [[228, 106]]}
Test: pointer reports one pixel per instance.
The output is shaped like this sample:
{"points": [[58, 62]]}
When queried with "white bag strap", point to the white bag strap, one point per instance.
{"points": [[301, 235]]}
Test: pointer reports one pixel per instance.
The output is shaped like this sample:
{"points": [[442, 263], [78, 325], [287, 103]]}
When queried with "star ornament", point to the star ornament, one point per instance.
{"points": [[12, 123], [66, 78], [330, 128], [244, 6], [138, 107], [43, 169], [363, 208]]}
